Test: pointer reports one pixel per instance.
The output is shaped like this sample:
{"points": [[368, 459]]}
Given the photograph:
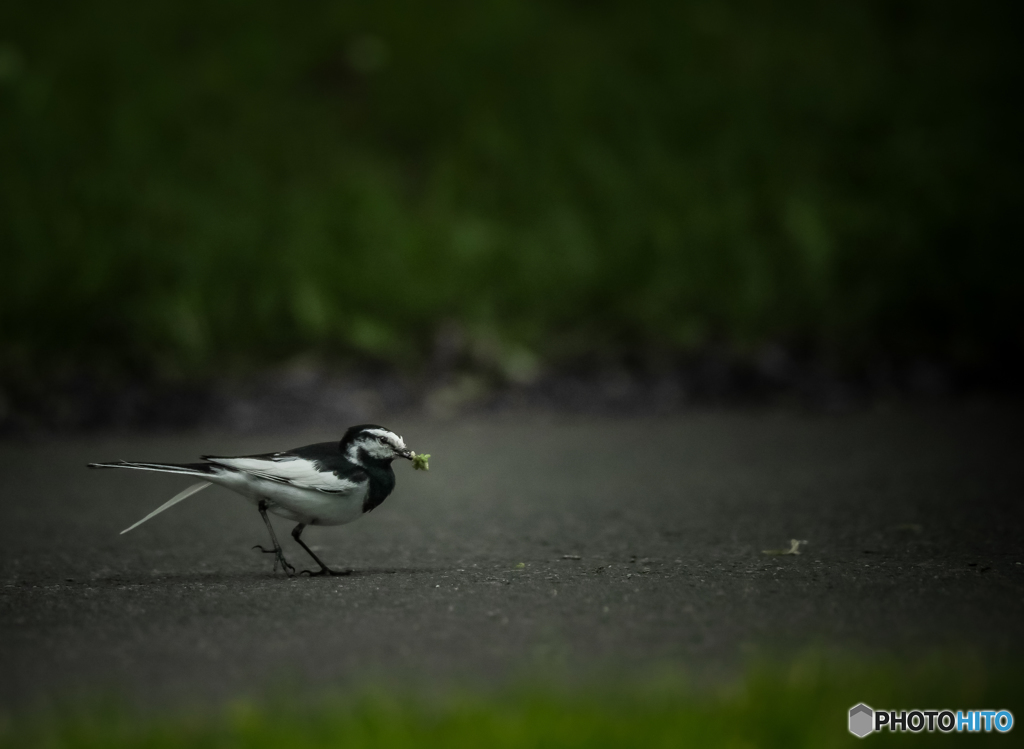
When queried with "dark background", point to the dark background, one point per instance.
{"points": [[268, 221], [196, 190]]}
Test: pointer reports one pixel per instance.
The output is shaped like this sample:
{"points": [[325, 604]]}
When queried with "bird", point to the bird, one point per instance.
{"points": [[327, 483]]}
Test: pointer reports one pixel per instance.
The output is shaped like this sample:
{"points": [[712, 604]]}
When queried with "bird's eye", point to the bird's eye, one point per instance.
{"points": [[382, 440]]}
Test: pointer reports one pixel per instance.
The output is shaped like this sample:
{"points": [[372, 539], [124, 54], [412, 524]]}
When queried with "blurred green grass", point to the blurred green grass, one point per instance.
{"points": [[800, 704], [187, 186]]}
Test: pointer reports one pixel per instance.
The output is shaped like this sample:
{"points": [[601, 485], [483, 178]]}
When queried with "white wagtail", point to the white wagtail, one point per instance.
{"points": [[329, 483]]}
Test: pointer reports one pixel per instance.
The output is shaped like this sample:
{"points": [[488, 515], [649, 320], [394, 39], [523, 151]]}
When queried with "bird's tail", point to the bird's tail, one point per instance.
{"points": [[189, 469], [170, 503]]}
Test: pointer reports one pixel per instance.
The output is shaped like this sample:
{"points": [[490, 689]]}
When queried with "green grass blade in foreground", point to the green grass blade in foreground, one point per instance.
{"points": [[802, 704]]}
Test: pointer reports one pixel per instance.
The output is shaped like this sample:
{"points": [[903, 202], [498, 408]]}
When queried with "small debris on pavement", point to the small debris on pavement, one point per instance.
{"points": [[794, 548]]}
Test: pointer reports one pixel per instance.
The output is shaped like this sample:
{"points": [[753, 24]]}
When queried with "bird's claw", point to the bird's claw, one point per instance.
{"points": [[278, 558]]}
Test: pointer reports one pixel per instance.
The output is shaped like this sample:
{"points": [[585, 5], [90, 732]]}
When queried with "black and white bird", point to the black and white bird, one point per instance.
{"points": [[329, 483]]}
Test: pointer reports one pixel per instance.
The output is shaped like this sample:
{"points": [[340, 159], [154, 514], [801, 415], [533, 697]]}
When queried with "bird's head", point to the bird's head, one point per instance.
{"points": [[370, 443]]}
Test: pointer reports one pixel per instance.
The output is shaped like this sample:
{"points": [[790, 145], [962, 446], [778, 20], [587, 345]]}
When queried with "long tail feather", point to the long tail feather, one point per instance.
{"points": [[189, 469], [170, 503]]}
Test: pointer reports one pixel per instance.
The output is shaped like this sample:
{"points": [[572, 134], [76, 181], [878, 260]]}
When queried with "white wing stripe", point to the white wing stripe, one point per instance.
{"points": [[297, 471]]}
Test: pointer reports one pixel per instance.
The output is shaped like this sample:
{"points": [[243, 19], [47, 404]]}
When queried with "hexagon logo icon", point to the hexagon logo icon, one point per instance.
{"points": [[862, 720]]}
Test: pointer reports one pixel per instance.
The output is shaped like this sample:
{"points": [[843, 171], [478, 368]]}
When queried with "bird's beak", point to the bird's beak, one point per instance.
{"points": [[407, 454]]}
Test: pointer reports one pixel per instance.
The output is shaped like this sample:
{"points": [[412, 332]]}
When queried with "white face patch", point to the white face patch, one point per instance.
{"points": [[377, 443]]}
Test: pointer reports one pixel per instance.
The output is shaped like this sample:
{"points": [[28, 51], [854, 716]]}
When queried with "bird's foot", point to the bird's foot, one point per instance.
{"points": [[327, 571], [278, 559]]}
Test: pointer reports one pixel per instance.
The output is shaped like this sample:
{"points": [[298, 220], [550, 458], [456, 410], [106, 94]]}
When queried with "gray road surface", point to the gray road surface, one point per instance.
{"points": [[571, 544]]}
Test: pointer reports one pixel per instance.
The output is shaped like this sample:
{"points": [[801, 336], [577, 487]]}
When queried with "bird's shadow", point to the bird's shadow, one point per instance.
{"points": [[375, 571]]}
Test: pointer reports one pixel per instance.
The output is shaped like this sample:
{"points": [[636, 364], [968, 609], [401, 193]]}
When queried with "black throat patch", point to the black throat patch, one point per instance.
{"points": [[382, 483]]}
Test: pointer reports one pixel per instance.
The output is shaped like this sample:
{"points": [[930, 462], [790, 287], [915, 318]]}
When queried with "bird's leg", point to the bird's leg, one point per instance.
{"points": [[324, 569], [276, 551]]}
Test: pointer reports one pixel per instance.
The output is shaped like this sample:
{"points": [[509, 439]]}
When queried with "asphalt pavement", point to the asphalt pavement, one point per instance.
{"points": [[537, 543]]}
